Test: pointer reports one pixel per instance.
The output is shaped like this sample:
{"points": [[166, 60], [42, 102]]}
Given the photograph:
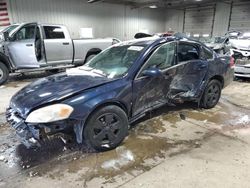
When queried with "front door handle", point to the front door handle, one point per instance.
{"points": [[65, 43], [29, 45]]}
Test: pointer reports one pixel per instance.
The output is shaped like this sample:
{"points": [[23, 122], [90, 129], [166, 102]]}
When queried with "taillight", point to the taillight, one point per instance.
{"points": [[232, 62]]}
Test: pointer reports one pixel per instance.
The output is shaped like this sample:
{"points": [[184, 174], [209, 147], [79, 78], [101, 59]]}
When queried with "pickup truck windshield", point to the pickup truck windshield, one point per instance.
{"points": [[115, 61], [10, 28]]}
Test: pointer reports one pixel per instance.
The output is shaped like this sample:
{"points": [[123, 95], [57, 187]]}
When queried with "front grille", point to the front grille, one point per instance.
{"points": [[245, 50], [242, 61]]}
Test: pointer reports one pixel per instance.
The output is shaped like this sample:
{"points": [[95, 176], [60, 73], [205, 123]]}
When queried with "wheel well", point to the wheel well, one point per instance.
{"points": [[5, 62], [93, 51], [219, 78], [116, 103]]}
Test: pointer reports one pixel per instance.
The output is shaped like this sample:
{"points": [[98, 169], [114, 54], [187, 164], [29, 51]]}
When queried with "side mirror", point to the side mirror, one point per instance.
{"points": [[152, 72]]}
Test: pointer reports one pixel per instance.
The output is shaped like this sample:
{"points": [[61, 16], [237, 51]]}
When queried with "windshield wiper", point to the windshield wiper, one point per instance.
{"points": [[100, 72]]}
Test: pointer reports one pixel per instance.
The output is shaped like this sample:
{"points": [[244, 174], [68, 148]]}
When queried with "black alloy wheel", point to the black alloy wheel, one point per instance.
{"points": [[4, 73], [211, 94], [106, 128]]}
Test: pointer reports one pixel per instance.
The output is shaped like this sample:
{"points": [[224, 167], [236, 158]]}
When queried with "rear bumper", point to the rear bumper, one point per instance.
{"points": [[242, 71]]}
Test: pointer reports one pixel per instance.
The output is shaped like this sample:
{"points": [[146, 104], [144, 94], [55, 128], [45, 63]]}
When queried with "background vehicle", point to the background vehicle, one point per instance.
{"points": [[240, 50], [33, 46], [98, 100], [219, 44]]}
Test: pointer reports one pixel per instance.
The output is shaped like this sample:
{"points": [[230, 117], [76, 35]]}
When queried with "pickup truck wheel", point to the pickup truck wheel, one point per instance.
{"points": [[106, 128], [211, 95], [4, 73]]}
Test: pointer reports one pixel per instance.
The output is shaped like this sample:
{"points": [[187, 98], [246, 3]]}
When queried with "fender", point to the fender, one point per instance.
{"points": [[5, 60], [79, 127]]}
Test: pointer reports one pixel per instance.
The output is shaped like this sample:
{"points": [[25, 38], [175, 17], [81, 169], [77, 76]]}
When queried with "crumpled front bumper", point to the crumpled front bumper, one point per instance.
{"points": [[237, 52], [28, 135]]}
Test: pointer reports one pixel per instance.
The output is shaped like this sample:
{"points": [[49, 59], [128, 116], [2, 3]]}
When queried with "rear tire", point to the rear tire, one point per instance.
{"points": [[4, 73], [106, 128], [211, 95]]}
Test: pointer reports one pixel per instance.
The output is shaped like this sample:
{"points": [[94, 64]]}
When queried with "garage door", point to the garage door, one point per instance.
{"points": [[199, 20], [240, 17]]}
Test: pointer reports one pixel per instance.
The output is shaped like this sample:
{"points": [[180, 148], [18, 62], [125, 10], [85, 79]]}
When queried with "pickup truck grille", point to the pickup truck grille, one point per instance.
{"points": [[242, 61]]}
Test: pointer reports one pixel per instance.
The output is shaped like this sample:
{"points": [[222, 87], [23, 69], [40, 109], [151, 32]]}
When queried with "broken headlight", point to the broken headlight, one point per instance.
{"points": [[50, 113]]}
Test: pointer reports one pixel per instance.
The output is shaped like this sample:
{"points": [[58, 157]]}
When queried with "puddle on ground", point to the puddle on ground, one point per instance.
{"points": [[142, 150]]}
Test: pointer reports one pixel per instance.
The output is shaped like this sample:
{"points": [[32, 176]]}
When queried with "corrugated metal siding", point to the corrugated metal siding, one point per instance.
{"points": [[107, 20], [174, 20], [240, 17], [199, 20], [221, 21]]}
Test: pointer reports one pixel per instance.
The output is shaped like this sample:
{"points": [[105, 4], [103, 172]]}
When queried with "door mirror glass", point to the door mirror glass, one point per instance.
{"points": [[152, 72]]}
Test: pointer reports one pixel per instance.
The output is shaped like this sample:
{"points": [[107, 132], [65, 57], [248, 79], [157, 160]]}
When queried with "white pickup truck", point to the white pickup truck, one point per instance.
{"points": [[35, 47]]}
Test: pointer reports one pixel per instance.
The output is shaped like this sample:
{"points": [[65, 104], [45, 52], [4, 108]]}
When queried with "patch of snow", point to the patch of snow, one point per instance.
{"points": [[124, 157], [2, 158], [105, 146], [243, 120]]}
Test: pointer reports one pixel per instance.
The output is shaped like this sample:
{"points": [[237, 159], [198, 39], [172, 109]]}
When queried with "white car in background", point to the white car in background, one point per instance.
{"points": [[240, 50]]}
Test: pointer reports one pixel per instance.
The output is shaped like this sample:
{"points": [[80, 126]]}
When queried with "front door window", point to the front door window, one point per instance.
{"points": [[152, 91]]}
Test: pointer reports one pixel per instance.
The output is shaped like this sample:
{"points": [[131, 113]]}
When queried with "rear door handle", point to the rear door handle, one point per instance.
{"points": [[65, 43], [29, 45]]}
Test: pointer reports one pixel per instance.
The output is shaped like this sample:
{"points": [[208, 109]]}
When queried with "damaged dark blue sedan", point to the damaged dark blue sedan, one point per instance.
{"points": [[97, 101]]}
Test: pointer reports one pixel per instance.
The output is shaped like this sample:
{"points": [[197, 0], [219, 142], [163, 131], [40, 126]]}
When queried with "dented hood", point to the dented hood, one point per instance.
{"points": [[240, 44], [54, 88]]}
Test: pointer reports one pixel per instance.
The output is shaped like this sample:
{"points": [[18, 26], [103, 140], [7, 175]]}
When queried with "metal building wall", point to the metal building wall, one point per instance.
{"points": [[240, 15], [107, 20], [221, 21], [174, 20], [199, 20]]}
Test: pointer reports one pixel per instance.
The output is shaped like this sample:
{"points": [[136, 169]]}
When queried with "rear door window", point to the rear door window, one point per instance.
{"points": [[53, 32], [207, 53], [187, 52]]}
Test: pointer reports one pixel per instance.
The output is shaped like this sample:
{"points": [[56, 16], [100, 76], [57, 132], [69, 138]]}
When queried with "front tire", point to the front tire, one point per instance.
{"points": [[4, 73], [106, 128], [211, 95]]}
